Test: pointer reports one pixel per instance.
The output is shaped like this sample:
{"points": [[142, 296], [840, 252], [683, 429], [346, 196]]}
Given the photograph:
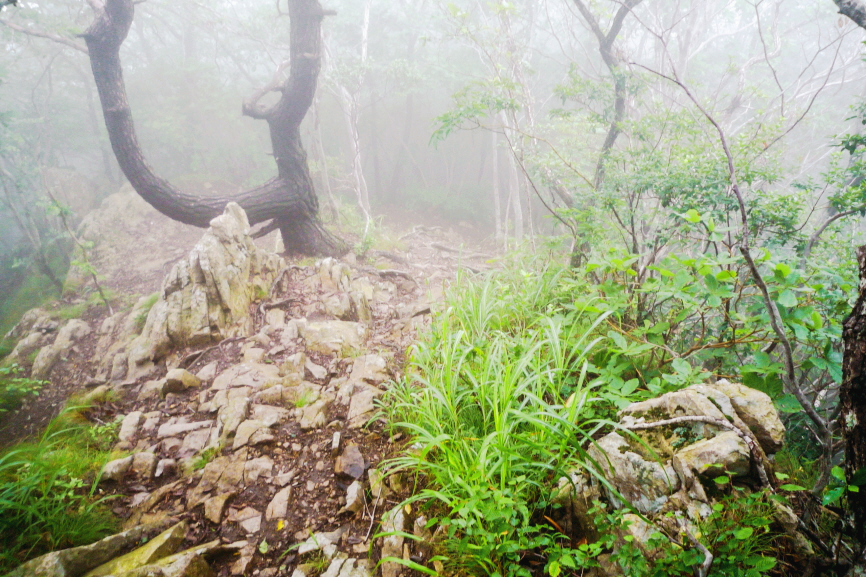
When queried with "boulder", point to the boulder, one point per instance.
{"points": [[644, 482], [341, 338], [724, 453], [157, 548], [207, 296], [757, 411]]}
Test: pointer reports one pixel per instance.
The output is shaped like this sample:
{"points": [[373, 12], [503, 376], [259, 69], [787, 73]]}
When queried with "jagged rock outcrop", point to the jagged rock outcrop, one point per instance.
{"points": [[207, 296], [705, 431]]}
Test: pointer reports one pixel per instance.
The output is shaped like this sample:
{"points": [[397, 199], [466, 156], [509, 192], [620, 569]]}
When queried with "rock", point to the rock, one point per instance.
{"points": [[178, 381], [239, 567], [360, 307], [333, 569], [79, 560], [354, 498], [362, 405], [293, 364], [313, 416], [185, 564], [248, 518], [275, 318], [208, 293], [214, 506], [176, 429], [157, 548], [150, 390], [725, 452], [208, 373], [270, 416], [255, 356], [339, 338], [645, 483], [351, 462], [278, 508], [253, 375], [757, 411], [255, 468], [165, 467], [322, 541], [231, 417], [335, 444], [129, 426], [371, 369], [115, 470], [271, 396], [319, 373], [679, 403], [143, 465], [392, 545], [251, 432], [377, 486], [338, 305], [194, 443]]}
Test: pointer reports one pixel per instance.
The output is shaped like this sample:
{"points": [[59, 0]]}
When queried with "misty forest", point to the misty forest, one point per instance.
{"points": [[363, 288]]}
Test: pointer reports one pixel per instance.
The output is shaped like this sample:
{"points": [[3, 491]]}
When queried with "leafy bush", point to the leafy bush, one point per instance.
{"points": [[47, 490], [15, 388]]}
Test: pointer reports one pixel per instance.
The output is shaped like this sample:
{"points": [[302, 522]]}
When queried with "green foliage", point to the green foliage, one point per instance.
{"points": [[14, 388], [495, 399], [738, 533], [47, 490]]}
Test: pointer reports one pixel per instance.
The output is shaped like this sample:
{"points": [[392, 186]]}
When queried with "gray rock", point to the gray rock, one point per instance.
{"points": [[354, 498], [79, 560], [251, 432], [208, 373], [645, 483], [129, 426], [231, 416], [179, 380], [254, 375], [143, 465], [278, 508], [393, 521], [313, 416], [372, 369], [214, 506], [165, 467], [756, 409], [362, 405], [339, 338], [208, 293], [177, 429], [351, 463], [319, 373], [723, 453], [115, 470]]}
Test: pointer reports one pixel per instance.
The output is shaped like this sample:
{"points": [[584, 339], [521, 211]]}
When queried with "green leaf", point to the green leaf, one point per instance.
{"points": [[832, 496], [782, 270], [722, 480], [790, 487], [692, 216], [838, 472], [264, 547], [782, 476], [788, 404], [761, 563], [744, 533], [787, 298]]}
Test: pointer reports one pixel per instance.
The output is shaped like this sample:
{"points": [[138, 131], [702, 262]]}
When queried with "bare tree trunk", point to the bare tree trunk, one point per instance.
{"points": [[514, 196], [852, 396], [497, 208], [287, 201]]}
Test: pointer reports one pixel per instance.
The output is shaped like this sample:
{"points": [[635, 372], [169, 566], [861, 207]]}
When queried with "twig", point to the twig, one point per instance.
{"points": [[373, 516], [191, 359], [756, 451]]}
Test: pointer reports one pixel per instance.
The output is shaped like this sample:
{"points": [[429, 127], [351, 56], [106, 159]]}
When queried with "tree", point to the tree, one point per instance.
{"points": [[288, 201]]}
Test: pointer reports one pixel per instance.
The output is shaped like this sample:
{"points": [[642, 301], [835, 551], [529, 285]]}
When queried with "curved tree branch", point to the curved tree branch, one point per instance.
{"points": [[289, 199], [853, 9], [42, 34]]}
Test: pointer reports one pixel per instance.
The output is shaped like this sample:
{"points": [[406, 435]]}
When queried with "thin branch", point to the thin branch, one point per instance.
{"points": [[754, 449], [42, 34], [251, 106]]}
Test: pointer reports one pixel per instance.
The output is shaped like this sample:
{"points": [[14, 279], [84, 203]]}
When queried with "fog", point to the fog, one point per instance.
{"points": [[479, 116]]}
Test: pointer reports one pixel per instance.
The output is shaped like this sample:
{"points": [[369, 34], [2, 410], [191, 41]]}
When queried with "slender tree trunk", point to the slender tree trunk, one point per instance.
{"points": [[497, 208], [288, 201], [852, 396], [514, 195]]}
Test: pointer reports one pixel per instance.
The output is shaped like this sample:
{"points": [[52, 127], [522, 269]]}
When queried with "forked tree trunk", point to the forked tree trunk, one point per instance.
{"points": [[852, 395], [288, 201]]}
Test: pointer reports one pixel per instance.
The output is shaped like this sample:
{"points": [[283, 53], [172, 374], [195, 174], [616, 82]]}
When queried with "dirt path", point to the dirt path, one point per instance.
{"points": [[284, 474]]}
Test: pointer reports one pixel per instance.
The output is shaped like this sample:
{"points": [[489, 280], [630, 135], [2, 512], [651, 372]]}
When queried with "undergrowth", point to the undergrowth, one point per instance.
{"points": [[504, 395], [14, 387], [48, 497]]}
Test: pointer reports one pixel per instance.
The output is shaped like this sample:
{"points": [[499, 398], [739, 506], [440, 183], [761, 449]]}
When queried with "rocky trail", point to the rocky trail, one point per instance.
{"points": [[247, 398]]}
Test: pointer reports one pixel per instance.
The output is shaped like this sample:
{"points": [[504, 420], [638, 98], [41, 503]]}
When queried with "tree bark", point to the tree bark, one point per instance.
{"points": [[288, 201], [852, 396]]}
